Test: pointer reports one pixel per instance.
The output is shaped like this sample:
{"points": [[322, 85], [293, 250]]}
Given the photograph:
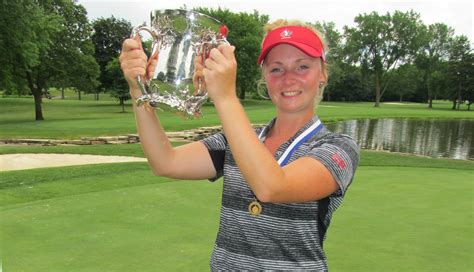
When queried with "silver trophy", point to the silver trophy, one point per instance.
{"points": [[179, 36]]}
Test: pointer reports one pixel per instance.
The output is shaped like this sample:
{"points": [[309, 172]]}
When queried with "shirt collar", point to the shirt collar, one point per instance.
{"points": [[267, 128]]}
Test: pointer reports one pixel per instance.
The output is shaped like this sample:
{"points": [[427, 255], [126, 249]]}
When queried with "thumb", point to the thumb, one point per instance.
{"points": [[228, 51], [139, 40]]}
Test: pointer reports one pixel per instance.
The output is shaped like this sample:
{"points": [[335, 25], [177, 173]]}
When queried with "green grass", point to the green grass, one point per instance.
{"points": [[72, 119], [69, 94], [159, 226], [402, 212], [119, 217], [404, 219]]}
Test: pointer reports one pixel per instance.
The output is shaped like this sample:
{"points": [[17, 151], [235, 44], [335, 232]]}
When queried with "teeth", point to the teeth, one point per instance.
{"points": [[294, 93]]}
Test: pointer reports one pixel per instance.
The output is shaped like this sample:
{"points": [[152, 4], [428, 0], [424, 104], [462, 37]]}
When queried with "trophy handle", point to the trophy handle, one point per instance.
{"points": [[142, 81], [179, 36], [203, 50]]}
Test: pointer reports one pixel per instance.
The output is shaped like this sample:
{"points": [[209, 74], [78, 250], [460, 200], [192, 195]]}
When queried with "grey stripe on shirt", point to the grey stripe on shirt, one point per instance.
{"points": [[284, 236]]}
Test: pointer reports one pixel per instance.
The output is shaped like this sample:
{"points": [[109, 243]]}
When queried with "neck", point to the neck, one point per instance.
{"points": [[286, 125]]}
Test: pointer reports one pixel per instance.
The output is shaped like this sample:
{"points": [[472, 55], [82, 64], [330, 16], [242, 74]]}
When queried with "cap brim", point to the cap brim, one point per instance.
{"points": [[308, 50]]}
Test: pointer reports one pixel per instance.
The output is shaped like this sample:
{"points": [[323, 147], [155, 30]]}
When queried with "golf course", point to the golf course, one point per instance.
{"points": [[402, 212]]}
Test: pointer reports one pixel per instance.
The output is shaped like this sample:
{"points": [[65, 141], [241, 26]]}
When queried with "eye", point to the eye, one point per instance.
{"points": [[276, 71], [303, 67]]}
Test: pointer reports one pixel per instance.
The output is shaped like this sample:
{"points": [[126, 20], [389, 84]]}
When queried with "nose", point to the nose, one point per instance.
{"points": [[289, 78]]}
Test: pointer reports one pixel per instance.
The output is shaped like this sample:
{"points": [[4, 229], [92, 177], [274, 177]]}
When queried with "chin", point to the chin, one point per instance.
{"points": [[296, 110]]}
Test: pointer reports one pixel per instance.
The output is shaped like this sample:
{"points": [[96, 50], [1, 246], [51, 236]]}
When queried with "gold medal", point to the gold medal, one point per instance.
{"points": [[255, 208]]}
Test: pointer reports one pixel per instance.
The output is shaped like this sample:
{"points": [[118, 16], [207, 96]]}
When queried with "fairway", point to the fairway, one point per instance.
{"points": [[402, 212], [163, 226], [120, 217], [73, 119], [365, 120], [404, 219]]}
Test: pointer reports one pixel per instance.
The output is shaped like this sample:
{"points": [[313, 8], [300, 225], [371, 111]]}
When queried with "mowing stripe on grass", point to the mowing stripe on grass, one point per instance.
{"points": [[393, 219]]}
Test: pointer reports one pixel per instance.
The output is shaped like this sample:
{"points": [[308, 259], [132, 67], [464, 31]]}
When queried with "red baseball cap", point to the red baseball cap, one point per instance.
{"points": [[300, 37]]}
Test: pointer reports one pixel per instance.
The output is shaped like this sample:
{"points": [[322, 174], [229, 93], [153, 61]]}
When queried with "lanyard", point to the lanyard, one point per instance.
{"points": [[255, 208], [307, 133]]}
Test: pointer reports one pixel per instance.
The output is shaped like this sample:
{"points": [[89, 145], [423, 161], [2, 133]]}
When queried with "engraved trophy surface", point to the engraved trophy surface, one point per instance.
{"points": [[179, 36]]}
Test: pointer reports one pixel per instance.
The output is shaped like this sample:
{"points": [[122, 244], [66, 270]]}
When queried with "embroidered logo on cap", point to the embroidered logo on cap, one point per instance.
{"points": [[286, 34], [339, 161]]}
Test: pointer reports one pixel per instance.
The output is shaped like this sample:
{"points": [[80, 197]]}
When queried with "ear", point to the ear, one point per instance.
{"points": [[323, 76], [262, 68]]}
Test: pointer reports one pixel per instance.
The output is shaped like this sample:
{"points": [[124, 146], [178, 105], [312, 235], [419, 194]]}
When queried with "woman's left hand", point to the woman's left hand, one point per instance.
{"points": [[220, 73]]}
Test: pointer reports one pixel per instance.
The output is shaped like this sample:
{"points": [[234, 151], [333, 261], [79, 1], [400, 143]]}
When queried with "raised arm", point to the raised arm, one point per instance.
{"points": [[190, 161], [303, 180]]}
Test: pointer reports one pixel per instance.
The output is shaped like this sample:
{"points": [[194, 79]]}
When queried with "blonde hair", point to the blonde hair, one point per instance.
{"points": [[324, 67]]}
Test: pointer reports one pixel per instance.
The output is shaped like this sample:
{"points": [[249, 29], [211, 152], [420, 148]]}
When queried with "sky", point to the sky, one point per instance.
{"points": [[457, 14]]}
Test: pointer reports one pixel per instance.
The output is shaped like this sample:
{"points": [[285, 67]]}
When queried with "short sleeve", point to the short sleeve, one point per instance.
{"points": [[340, 155], [216, 145]]}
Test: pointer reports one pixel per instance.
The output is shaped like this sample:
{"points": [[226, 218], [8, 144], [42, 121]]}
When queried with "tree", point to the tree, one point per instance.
{"points": [[435, 41], [334, 55], [75, 48], [246, 34], [379, 43], [23, 47], [349, 87], [49, 41], [109, 33], [461, 68], [439, 81], [468, 82], [406, 79], [118, 86]]}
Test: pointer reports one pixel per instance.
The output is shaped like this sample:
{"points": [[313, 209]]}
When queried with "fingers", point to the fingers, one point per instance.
{"points": [[224, 53], [198, 60], [198, 79], [220, 72], [132, 54], [215, 56], [198, 76], [133, 61], [199, 84], [132, 44], [227, 50], [151, 66], [198, 63]]}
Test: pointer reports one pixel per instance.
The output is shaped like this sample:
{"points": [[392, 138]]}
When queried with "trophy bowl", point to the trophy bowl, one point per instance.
{"points": [[180, 37]]}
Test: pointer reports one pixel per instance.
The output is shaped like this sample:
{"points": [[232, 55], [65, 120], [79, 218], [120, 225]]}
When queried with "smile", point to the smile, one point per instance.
{"points": [[291, 94]]}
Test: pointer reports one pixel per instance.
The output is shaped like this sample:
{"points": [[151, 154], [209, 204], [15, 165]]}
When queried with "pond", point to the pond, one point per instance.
{"points": [[434, 138]]}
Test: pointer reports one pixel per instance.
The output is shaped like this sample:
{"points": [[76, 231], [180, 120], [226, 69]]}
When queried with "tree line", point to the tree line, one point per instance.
{"points": [[384, 57]]}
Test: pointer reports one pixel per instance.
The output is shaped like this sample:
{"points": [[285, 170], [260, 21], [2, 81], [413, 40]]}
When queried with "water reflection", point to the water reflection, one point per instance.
{"points": [[435, 138]]}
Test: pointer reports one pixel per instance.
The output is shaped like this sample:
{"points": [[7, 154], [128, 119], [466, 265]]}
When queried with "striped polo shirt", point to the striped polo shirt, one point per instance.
{"points": [[284, 236]]}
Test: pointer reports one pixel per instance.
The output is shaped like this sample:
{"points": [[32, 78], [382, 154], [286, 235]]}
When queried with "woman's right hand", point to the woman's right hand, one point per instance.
{"points": [[198, 77], [134, 63]]}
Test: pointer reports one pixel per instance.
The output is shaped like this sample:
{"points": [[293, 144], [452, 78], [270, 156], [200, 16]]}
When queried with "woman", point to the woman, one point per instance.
{"points": [[282, 183]]}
